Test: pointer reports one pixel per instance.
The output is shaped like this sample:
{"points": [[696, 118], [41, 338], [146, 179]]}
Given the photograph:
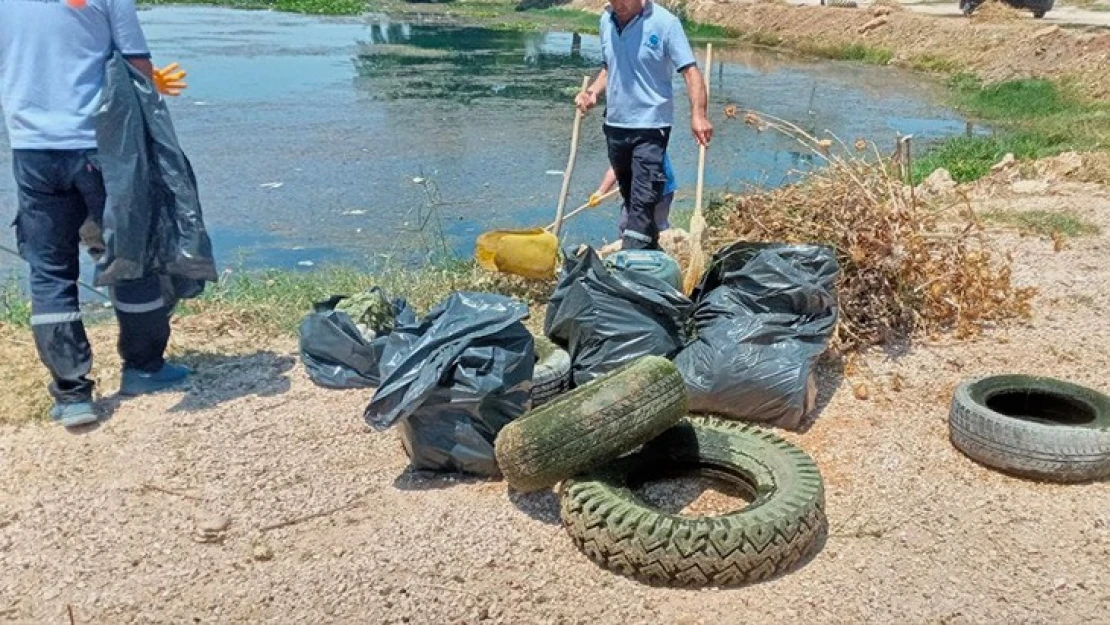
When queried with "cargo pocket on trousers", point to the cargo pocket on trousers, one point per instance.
{"points": [[20, 238]]}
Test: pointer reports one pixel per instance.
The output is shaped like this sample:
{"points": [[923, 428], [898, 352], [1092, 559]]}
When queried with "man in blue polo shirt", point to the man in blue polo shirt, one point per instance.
{"points": [[642, 44], [53, 56]]}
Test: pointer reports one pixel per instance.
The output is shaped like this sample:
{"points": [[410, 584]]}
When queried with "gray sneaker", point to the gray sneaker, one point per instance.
{"points": [[137, 382], [72, 415]]}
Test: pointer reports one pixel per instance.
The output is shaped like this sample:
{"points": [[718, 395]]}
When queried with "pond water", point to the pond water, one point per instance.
{"points": [[307, 134]]}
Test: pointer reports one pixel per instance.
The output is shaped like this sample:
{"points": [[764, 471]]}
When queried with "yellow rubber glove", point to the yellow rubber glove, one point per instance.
{"points": [[595, 199], [170, 80]]}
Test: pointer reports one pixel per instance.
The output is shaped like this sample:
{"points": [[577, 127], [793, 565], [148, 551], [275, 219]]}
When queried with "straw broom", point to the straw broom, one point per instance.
{"points": [[696, 265]]}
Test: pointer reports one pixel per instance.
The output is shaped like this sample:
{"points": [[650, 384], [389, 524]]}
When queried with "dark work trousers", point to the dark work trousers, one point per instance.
{"points": [[636, 155], [58, 190]]}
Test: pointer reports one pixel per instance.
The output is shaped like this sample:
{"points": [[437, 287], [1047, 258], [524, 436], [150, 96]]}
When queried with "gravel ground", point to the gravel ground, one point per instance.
{"points": [[254, 496]]}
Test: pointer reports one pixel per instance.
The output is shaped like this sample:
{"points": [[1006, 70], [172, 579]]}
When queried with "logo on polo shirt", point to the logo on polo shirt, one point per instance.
{"points": [[653, 41]]}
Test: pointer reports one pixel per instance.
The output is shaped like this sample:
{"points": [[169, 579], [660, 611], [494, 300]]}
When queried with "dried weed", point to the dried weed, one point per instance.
{"points": [[907, 267], [995, 11]]}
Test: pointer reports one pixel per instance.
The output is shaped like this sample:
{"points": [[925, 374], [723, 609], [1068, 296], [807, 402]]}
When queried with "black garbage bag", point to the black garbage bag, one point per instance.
{"points": [[606, 318], [152, 222], [338, 354], [764, 315], [454, 380]]}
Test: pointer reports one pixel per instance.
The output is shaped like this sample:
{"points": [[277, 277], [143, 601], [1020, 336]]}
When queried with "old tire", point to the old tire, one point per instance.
{"points": [[1034, 427], [783, 525], [552, 373], [592, 424]]}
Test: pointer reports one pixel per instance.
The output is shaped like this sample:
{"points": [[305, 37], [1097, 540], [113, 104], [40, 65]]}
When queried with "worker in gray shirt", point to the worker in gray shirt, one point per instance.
{"points": [[642, 44], [53, 55]]}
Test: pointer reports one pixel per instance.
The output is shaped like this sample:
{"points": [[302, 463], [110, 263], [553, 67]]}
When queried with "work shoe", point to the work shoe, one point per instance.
{"points": [[73, 415], [137, 382]]}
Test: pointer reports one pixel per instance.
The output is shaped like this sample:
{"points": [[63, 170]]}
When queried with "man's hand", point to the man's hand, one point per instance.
{"points": [[170, 80], [595, 199], [703, 130], [585, 101]]}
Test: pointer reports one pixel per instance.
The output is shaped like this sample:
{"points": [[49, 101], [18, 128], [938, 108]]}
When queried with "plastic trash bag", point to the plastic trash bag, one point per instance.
{"points": [[152, 222], [606, 318], [336, 352], [454, 379], [764, 315]]}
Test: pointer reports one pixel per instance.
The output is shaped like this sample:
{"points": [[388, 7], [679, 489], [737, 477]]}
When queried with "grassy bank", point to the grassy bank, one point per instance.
{"points": [[275, 301], [523, 15], [278, 300], [307, 7], [1034, 118]]}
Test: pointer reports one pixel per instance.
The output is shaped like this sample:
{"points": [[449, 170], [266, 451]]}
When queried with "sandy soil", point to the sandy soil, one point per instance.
{"points": [[1095, 13], [312, 517], [1004, 45]]}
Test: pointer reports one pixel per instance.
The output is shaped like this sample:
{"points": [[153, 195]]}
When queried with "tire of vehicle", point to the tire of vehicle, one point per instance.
{"points": [[551, 377], [592, 424], [1033, 427], [782, 526], [1040, 7]]}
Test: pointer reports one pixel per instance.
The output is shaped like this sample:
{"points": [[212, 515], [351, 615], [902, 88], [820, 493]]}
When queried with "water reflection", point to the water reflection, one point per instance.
{"points": [[463, 64]]}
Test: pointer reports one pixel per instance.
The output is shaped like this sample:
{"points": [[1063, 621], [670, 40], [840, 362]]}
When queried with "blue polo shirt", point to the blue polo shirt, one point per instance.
{"points": [[642, 58], [52, 62]]}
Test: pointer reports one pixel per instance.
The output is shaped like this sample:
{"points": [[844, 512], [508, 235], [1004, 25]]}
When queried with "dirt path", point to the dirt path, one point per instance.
{"points": [[1003, 47], [1096, 13], [106, 522]]}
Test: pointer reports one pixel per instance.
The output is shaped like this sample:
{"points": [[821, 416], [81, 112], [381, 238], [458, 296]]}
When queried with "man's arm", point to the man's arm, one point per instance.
{"points": [[128, 37], [143, 64], [699, 115], [678, 46]]}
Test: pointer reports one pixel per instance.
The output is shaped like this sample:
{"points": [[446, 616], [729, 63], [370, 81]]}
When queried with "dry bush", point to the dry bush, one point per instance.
{"points": [[907, 268], [1096, 168], [994, 11]]}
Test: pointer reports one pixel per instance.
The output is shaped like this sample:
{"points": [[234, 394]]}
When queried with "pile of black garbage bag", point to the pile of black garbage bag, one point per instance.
{"points": [[746, 342]]}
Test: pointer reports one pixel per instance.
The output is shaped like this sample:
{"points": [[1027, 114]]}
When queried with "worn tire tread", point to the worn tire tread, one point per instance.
{"points": [[552, 372], [622, 533], [1056, 453]]}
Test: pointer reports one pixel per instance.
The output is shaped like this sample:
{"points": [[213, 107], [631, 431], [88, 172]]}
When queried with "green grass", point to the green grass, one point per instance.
{"points": [[1033, 118], [554, 18], [849, 52], [15, 310], [1044, 223], [934, 64], [700, 31], [278, 300], [1013, 100], [971, 158], [308, 7], [768, 40]]}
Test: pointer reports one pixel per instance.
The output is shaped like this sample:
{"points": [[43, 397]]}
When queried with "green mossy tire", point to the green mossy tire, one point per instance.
{"points": [[592, 424], [781, 527], [1033, 427]]}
